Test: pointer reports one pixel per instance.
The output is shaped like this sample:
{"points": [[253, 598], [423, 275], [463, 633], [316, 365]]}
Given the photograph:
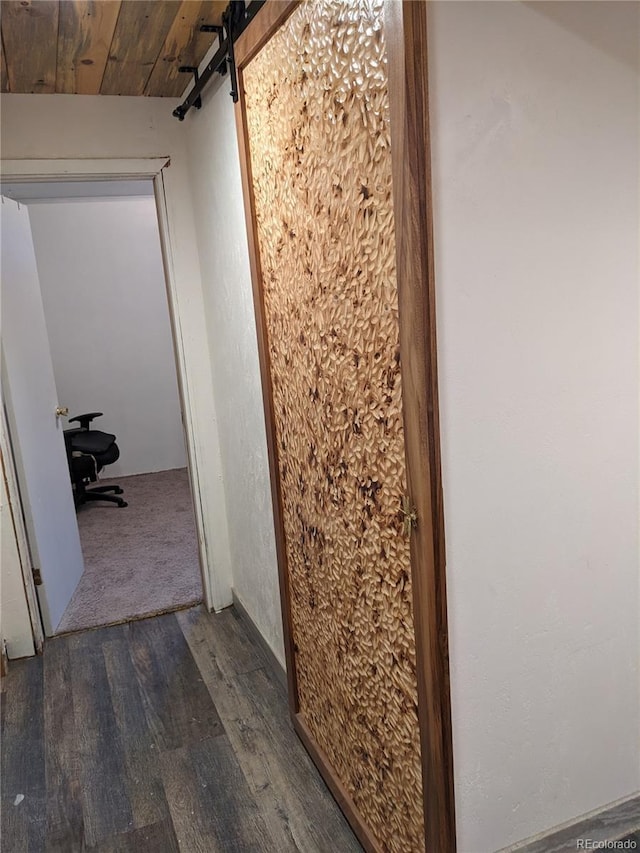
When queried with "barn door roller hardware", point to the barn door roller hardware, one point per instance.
{"points": [[192, 69], [235, 19]]}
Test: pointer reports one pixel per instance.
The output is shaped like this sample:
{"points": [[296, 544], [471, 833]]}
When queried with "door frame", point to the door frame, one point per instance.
{"points": [[149, 168], [406, 38], [22, 540]]}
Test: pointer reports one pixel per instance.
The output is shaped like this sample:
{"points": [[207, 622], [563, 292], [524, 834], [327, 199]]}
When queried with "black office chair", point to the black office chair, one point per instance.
{"points": [[88, 451]]}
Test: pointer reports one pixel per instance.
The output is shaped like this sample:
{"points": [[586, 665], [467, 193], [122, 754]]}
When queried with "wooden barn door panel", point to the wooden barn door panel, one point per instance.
{"points": [[316, 140]]}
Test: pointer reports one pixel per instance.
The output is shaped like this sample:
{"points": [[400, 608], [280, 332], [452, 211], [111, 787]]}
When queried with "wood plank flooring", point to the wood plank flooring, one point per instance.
{"points": [[167, 735]]}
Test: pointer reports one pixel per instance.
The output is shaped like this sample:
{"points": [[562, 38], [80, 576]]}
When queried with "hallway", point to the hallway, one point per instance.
{"points": [[166, 734]]}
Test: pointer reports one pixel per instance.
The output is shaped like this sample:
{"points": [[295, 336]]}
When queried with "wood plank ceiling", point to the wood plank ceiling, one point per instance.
{"points": [[108, 47]]}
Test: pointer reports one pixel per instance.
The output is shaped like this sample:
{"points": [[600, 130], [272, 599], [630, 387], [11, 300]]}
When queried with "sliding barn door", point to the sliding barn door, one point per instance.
{"points": [[363, 605]]}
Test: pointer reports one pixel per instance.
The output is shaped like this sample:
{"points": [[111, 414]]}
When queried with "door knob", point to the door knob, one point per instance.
{"points": [[62, 411]]}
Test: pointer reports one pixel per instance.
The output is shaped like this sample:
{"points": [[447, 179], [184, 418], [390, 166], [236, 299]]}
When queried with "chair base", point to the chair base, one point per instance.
{"points": [[100, 493]]}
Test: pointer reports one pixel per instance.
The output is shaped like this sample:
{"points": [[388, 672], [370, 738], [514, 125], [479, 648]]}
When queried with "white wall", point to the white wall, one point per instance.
{"points": [[226, 278], [535, 161], [103, 289], [15, 627], [74, 126]]}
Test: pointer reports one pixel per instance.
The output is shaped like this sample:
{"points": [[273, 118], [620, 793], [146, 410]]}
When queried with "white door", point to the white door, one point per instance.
{"points": [[29, 394]]}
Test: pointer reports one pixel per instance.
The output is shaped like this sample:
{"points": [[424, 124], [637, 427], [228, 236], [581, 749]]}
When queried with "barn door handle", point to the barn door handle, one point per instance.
{"points": [[409, 514]]}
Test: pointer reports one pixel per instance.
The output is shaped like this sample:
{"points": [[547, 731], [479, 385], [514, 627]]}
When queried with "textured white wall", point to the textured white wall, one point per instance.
{"points": [[535, 161], [226, 279], [103, 289], [74, 126]]}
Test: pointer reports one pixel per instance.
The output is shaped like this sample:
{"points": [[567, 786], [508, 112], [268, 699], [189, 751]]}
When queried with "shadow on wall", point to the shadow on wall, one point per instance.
{"points": [[588, 27]]}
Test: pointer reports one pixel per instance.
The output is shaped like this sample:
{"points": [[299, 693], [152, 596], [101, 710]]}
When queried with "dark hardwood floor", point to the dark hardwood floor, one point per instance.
{"points": [[167, 734]]}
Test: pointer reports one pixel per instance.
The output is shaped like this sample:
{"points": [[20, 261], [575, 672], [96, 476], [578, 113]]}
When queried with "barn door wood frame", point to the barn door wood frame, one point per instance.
{"points": [[405, 28]]}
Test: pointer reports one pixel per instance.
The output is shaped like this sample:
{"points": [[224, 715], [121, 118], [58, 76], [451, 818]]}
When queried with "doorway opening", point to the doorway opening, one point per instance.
{"points": [[110, 334]]}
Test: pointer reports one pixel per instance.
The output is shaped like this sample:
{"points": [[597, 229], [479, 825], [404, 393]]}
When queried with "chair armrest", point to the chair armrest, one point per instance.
{"points": [[69, 433], [85, 420]]}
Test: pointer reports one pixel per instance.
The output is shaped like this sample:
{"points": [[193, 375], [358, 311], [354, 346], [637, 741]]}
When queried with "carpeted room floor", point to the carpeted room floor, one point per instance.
{"points": [[140, 559]]}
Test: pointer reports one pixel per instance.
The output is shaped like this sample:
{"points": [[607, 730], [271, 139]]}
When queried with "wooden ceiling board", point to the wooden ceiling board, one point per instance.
{"points": [[85, 32], [30, 35], [184, 45], [141, 31], [108, 47]]}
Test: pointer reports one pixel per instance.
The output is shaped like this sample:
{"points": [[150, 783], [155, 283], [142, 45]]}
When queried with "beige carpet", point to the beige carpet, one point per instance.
{"points": [[139, 559]]}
